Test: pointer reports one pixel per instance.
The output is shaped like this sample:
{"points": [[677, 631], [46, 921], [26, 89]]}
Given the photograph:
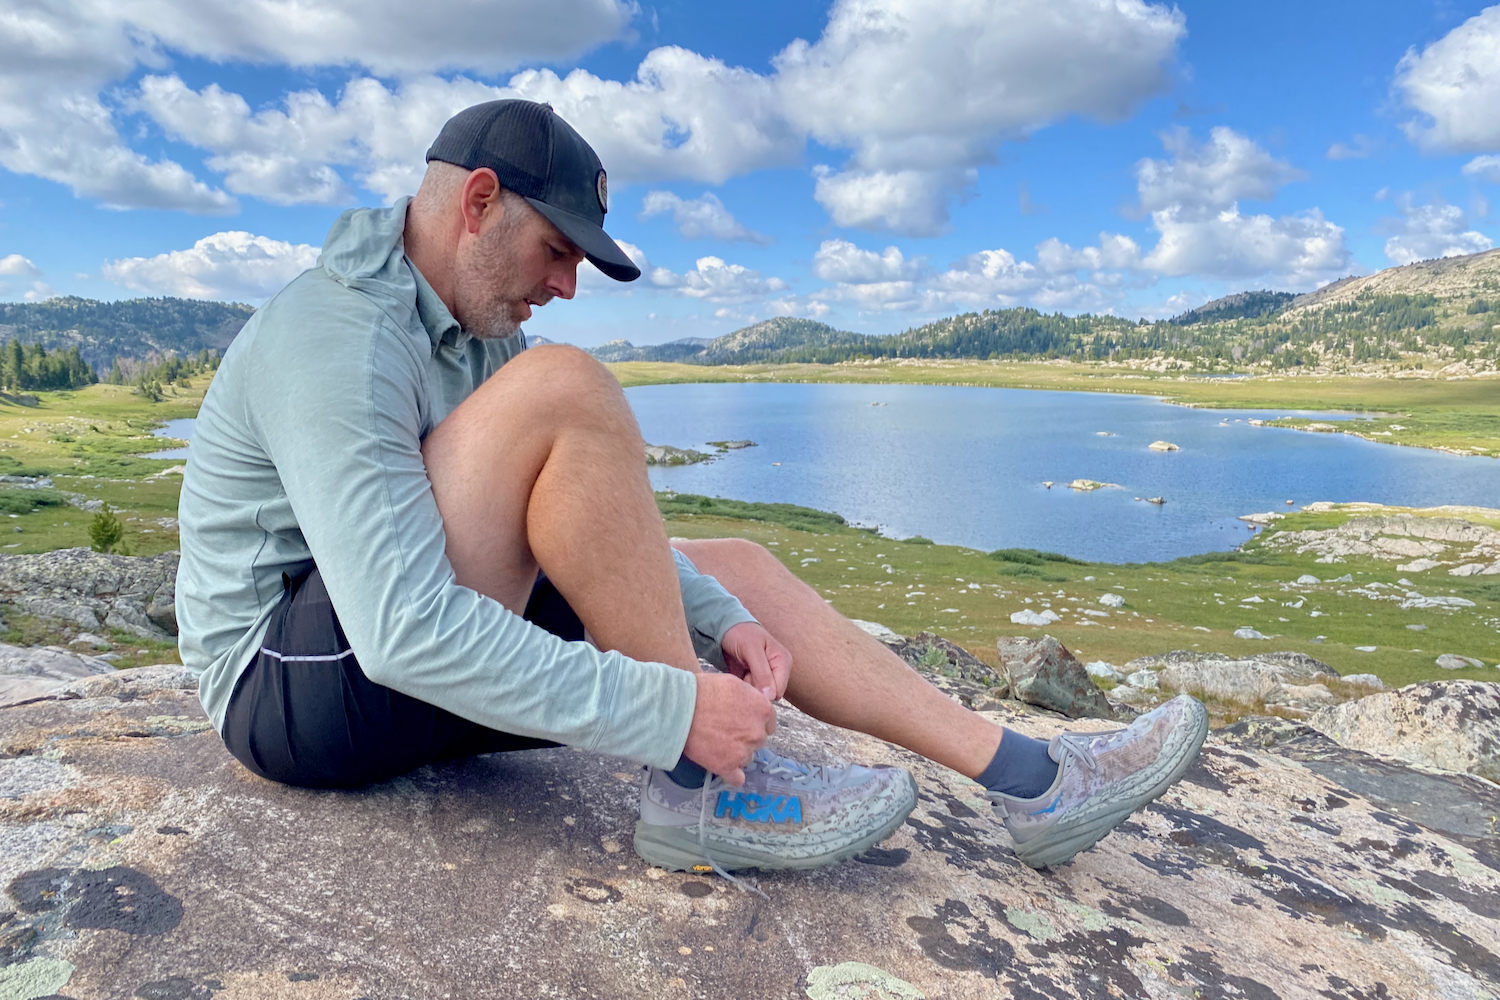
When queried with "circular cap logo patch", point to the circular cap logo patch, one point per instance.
{"points": [[601, 188]]}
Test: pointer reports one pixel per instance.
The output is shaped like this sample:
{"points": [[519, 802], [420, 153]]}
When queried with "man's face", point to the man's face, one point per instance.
{"points": [[514, 263]]}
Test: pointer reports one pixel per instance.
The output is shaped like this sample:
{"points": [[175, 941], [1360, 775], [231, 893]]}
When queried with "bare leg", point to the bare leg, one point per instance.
{"points": [[543, 467], [839, 674]]}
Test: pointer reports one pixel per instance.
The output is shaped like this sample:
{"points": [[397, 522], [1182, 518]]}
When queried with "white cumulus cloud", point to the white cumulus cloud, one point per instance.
{"points": [[392, 37], [15, 266], [1454, 85], [1194, 200], [699, 218], [910, 202], [972, 74], [842, 261], [230, 265], [59, 58], [1211, 176], [1484, 168], [1423, 232], [1019, 66], [714, 280], [1114, 252]]}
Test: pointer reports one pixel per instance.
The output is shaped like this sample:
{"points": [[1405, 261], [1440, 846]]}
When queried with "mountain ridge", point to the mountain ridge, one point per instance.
{"points": [[1443, 308]]}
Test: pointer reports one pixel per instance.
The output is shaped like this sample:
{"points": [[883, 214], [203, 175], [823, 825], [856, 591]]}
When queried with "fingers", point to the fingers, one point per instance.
{"points": [[735, 778], [762, 677], [780, 661]]}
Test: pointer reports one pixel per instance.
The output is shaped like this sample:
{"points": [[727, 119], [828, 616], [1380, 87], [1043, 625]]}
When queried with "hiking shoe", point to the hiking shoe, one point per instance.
{"points": [[1103, 778], [787, 815]]}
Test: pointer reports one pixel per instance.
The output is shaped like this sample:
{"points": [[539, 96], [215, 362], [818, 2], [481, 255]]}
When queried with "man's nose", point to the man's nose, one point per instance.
{"points": [[562, 281]]}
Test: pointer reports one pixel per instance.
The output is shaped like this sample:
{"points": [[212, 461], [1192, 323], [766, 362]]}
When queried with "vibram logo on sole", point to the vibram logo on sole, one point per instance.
{"points": [[759, 808]]}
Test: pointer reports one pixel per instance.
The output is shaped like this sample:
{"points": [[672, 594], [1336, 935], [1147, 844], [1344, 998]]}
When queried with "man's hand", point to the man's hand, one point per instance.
{"points": [[753, 655], [731, 721]]}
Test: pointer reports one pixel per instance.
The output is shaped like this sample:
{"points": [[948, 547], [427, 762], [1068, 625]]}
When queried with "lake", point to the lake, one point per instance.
{"points": [[182, 430], [965, 466]]}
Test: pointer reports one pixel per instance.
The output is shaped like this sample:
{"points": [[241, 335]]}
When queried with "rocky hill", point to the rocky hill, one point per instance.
{"points": [[1240, 305], [782, 339], [1428, 315], [1466, 278], [134, 328]]}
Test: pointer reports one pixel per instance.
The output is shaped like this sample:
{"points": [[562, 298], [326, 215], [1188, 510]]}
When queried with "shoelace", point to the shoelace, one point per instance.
{"points": [[1077, 744], [772, 762], [712, 782]]}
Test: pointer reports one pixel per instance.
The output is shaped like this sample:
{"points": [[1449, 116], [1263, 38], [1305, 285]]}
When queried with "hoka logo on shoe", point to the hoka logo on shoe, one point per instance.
{"points": [[759, 808]]}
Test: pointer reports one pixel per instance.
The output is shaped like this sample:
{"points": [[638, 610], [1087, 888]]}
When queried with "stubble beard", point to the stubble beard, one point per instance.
{"points": [[486, 304]]}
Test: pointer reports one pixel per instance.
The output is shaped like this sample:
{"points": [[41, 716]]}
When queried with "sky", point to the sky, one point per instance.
{"points": [[873, 164]]}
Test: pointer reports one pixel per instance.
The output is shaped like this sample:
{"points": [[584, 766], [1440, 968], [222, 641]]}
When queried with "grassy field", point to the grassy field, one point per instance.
{"points": [[87, 442], [1191, 603], [1460, 415]]}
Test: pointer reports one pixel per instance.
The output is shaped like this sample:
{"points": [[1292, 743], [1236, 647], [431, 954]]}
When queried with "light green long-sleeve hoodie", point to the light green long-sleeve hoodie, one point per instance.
{"points": [[308, 448]]}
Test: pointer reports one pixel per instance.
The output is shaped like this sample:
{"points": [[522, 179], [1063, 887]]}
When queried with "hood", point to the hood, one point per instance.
{"points": [[364, 252]]}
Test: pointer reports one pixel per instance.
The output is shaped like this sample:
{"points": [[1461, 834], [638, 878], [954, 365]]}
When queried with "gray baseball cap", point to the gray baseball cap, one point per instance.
{"points": [[541, 158]]}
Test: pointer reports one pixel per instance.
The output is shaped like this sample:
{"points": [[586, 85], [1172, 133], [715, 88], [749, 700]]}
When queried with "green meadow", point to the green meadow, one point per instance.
{"points": [[88, 442], [1458, 414], [1192, 603]]}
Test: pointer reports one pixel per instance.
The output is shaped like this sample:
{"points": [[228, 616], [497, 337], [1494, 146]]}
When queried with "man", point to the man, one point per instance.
{"points": [[406, 538]]}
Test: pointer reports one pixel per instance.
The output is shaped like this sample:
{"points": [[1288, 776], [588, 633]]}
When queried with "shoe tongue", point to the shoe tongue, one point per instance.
{"points": [[1055, 750]]}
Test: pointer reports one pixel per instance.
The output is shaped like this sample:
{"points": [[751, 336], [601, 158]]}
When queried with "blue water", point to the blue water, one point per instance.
{"points": [[181, 430], [965, 466]]}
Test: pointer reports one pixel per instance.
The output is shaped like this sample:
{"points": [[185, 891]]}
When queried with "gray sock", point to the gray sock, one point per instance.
{"points": [[1021, 767]]}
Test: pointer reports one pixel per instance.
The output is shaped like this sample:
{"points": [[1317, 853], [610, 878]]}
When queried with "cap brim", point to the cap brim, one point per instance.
{"points": [[603, 252]]}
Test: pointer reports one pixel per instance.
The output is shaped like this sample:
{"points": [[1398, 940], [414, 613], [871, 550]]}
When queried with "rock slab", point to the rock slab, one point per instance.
{"points": [[139, 860], [28, 673], [1239, 679], [1452, 725]]}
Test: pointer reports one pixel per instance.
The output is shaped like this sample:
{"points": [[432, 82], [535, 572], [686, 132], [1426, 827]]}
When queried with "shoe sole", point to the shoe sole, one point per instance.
{"points": [[676, 849], [1060, 844]]}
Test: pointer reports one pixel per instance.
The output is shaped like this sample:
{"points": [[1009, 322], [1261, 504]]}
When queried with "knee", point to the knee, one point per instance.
{"points": [[570, 381], [566, 369], [741, 553]]}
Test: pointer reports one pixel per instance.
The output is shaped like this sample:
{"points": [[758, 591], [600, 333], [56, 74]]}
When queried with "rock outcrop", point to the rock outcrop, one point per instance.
{"points": [[1416, 544], [1294, 680], [140, 860], [28, 673], [665, 454], [1042, 672], [91, 590], [1452, 725]]}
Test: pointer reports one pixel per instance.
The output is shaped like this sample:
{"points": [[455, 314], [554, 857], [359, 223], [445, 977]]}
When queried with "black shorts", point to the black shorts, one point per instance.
{"points": [[304, 713]]}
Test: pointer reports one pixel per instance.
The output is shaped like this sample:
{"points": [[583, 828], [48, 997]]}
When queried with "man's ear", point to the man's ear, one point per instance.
{"points": [[480, 198]]}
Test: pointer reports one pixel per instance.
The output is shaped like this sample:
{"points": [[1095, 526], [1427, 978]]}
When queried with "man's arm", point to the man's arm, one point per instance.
{"points": [[711, 610], [344, 437]]}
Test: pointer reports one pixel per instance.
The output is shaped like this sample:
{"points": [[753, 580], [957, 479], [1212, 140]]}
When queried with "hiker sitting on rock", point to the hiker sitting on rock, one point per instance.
{"points": [[406, 538]]}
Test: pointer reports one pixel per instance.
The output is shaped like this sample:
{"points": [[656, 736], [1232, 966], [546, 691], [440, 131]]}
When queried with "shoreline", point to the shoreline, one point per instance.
{"points": [[1458, 416]]}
